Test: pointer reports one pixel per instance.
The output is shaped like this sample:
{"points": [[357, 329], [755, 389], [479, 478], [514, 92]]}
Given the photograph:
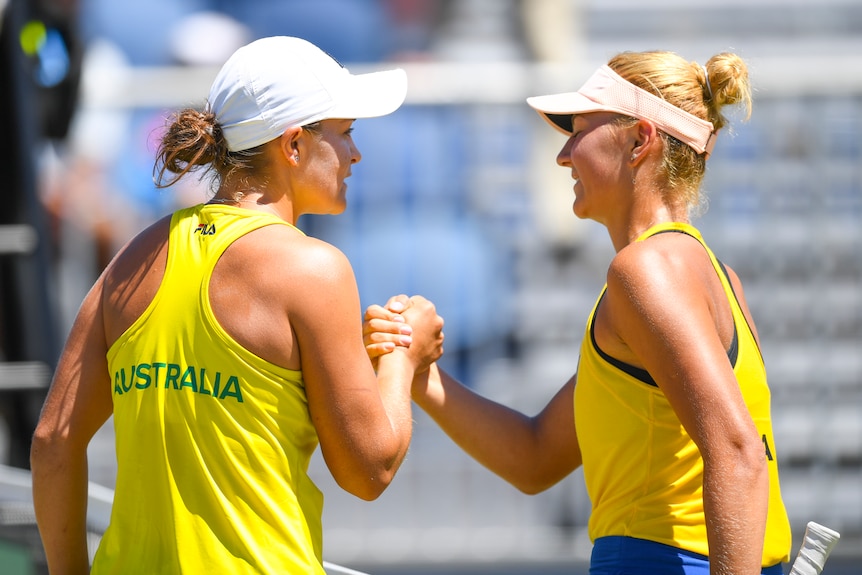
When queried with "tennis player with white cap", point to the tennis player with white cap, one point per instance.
{"points": [[225, 342], [669, 411]]}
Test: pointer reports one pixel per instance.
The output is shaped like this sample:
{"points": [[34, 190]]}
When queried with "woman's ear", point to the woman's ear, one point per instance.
{"points": [[289, 144], [644, 138]]}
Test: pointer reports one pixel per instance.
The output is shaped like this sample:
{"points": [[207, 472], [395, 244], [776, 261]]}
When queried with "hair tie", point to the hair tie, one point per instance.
{"points": [[706, 75], [207, 118]]}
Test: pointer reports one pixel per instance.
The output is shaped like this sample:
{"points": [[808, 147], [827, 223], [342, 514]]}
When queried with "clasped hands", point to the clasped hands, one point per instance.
{"points": [[408, 322]]}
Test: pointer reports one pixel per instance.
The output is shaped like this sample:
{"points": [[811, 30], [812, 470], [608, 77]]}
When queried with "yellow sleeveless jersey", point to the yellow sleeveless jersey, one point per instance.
{"points": [[643, 472], [213, 442]]}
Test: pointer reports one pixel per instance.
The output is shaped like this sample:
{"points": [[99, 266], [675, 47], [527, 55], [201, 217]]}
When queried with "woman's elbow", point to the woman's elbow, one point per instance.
{"points": [[541, 473], [366, 486], [48, 453], [744, 459], [43, 443], [755, 460], [530, 488], [532, 485], [532, 479]]}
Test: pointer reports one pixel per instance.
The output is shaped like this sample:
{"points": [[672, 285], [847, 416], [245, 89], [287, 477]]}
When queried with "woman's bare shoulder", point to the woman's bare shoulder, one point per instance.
{"points": [[662, 260], [284, 250], [145, 250], [132, 278]]}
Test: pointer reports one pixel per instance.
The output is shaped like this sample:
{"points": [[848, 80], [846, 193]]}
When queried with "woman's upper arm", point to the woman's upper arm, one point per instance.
{"points": [[326, 316], [341, 386], [663, 314], [557, 435], [79, 399]]}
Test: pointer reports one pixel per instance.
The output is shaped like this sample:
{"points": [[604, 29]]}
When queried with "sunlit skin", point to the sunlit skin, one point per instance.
{"points": [[290, 184], [320, 186], [614, 171], [594, 155]]}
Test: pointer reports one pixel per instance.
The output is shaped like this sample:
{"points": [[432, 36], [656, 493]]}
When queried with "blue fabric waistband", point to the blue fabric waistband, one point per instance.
{"points": [[616, 555]]}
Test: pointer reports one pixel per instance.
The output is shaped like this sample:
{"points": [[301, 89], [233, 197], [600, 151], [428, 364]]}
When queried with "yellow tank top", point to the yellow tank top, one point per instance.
{"points": [[213, 443], [643, 472]]}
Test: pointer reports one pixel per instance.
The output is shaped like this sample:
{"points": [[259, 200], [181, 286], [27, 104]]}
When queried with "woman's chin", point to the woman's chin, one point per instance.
{"points": [[579, 211]]}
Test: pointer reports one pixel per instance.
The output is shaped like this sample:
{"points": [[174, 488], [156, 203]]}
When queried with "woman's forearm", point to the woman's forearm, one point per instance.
{"points": [[60, 502], [735, 496], [393, 376], [531, 453]]}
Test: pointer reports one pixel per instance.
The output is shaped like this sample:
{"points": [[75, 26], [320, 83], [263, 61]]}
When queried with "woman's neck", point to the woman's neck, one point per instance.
{"points": [[630, 227], [252, 199]]}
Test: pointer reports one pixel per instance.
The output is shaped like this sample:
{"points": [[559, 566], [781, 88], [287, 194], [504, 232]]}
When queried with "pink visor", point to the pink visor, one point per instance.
{"points": [[607, 91]]}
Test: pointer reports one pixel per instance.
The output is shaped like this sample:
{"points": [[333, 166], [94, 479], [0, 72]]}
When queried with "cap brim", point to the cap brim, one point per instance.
{"points": [[558, 109], [370, 95]]}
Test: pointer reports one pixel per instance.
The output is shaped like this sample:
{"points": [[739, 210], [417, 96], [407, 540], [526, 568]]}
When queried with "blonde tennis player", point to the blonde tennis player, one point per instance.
{"points": [[669, 412]]}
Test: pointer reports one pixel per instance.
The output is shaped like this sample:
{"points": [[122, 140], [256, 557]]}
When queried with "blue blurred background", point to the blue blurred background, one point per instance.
{"points": [[457, 198]]}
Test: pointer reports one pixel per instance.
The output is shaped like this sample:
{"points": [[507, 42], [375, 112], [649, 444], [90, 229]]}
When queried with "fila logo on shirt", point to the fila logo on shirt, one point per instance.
{"points": [[205, 229]]}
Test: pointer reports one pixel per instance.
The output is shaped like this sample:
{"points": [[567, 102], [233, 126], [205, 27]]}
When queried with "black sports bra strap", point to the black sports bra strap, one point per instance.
{"points": [[642, 374]]}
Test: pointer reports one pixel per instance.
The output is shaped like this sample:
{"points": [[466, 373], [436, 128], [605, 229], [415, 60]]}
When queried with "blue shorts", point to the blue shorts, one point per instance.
{"points": [[629, 556]]}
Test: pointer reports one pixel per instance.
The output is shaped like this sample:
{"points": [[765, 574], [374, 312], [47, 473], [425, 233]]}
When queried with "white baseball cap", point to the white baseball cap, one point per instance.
{"points": [[276, 83], [607, 91]]}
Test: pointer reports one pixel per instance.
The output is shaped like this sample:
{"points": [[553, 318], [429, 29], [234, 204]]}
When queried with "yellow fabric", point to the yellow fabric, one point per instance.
{"points": [[213, 442], [644, 474]]}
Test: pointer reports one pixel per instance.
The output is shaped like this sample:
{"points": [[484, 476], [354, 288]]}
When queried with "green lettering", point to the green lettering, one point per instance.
{"points": [[189, 379], [232, 389], [143, 374], [123, 379], [203, 388], [176, 376], [158, 366], [172, 376], [117, 387]]}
